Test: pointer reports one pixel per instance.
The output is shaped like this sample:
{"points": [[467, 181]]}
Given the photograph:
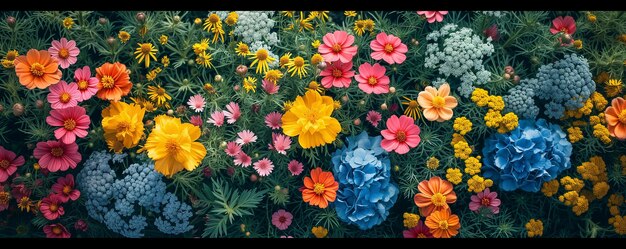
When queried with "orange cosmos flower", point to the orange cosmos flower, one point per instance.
{"points": [[442, 224], [437, 104], [37, 69], [114, 81], [320, 188], [435, 194]]}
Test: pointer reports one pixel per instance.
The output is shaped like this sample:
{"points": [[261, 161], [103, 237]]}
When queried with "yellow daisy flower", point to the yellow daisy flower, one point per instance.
{"points": [[144, 52]]}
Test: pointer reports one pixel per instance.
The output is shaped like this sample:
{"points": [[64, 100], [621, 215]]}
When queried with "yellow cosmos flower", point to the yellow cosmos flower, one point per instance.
{"points": [[310, 119], [123, 125], [144, 52]]}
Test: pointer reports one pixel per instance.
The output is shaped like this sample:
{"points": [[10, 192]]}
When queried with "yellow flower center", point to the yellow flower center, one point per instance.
{"points": [[69, 124], [262, 54], [388, 48], [313, 85], [622, 116], [65, 97], [319, 188], [145, 48], [401, 136], [107, 82], [298, 61], [64, 53], [172, 147], [438, 199], [413, 104], [11, 55], [56, 230], [312, 116], [82, 85], [54, 207], [360, 24], [160, 91], [4, 164], [372, 80], [443, 224], [37, 69], [485, 201], [56, 151], [337, 73], [438, 101], [67, 189], [337, 47], [421, 236], [284, 60], [123, 126], [214, 18]]}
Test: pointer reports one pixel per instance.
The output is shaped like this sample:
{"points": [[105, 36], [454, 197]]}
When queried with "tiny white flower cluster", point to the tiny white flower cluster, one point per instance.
{"points": [[458, 53], [496, 14], [255, 26]]}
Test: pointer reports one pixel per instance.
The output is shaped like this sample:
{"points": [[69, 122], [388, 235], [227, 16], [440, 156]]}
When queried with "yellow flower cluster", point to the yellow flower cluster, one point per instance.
{"points": [[457, 138], [600, 189], [619, 223], [572, 184], [575, 134], [9, 59], [615, 201], [473, 165], [478, 184], [432, 163], [480, 97], [583, 111], [462, 125], [319, 231], [454, 175], [360, 26], [579, 203], [599, 102], [601, 132], [495, 103], [462, 150], [594, 120], [550, 188], [410, 220], [622, 160], [509, 122], [150, 76], [534, 228], [594, 170], [494, 118]]}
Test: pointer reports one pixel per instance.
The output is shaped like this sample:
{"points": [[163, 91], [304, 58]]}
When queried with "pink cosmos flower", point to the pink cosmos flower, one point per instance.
{"points": [[337, 47], [73, 122], [566, 25], [51, 207], [57, 231], [264, 166], [432, 16], [217, 118], [389, 48], [64, 188], [196, 120], [270, 87], [233, 112], [419, 231], [401, 134], [55, 156], [232, 149], [87, 85], [295, 167], [282, 219], [274, 120], [64, 52], [245, 137], [19, 190], [196, 103], [372, 79], [63, 95], [242, 159], [9, 163], [280, 143], [485, 199], [373, 117], [337, 74]]}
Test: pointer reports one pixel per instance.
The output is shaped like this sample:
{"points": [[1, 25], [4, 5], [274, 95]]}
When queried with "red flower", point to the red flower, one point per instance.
{"points": [[56, 231], [64, 188], [51, 207], [9, 163], [566, 25]]}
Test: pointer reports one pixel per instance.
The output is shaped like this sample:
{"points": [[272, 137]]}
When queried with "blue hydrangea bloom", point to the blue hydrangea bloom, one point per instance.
{"points": [[525, 158], [366, 192]]}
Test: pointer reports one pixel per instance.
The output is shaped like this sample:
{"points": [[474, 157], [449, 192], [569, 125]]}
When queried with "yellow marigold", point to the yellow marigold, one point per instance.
{"points": [[616, 199], [472, 165], [591, 17], [619, 223], [123, 125], [594, 120], [457, 138], [200, 47], [310, 119], [495, 102], [600, 189], [454, 175], [480, 97], [163, 39], [550, 188], [508, 123], [581, 206], [337, 104], [462, 125], [594, 170], [165, 61], [572, 184], [242, 49], [410, 220], [478, 184], [369, 25], [493, 118], [249, 83], [534, 228], [319, 231], [432, 163], [124, 36], [349, 13], [601, 132], [569, 198], [173, 147], [462, 150], [578, 44], [602, 118], [599, 101], [359, 27], [614, 210], [575, 134], [287, 105], [613, 87]]}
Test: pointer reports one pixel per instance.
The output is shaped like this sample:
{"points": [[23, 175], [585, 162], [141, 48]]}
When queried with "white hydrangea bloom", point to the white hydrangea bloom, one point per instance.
{"points": [[496, 14]]}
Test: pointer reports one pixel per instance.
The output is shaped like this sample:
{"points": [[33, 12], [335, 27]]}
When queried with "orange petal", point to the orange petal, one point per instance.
{"points": [[444, 90]]}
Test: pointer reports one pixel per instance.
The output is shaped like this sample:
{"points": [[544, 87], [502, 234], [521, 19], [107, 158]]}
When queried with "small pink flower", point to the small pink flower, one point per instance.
{"points": [[566, 25], [9, 163], [295, 167], [270, 87], [389, 48], [337, 74], [57, 231], [485, 199], [419, 231], [337, 47], [63, 95], [64, 188], [232, 149], [401, 134], [64, 52], [196, 120], [51, 207], [73, 122], [372, 79], [242, 159], [432, 16], [282, 219], [196, 103], [217, 118], [233, 112], [81, 225], [87, 85], [274, 120], [492, 32], [373, 117], [264, 167], [286, 237], [55, 156], [280, 143], [245, 137]]}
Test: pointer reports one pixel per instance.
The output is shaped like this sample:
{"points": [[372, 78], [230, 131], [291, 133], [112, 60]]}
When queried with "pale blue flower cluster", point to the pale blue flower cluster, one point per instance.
{"points": [[174, 217], [254, 26], [520, 100]]}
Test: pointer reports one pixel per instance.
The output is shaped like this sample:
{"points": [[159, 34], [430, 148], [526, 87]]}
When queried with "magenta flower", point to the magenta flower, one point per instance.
{"points": [[401, 134], [280, 143], [389, 48], [337, 74], [51, 207], [196, 103], [419, 231], [64, 52], [73, 122], [274, 120], [64, 188], [196, 120], [282, 219], [270, 87], [233, 112], [217, 118], [245, 137], [372, 79], [485, 199], [9, 162], [264, 166], [87, 85], [492, 32], [57, 231], [432, 16], [232, 149], [63, 95], [295, 167], [55, 156], [373, 117], [337, 47]]}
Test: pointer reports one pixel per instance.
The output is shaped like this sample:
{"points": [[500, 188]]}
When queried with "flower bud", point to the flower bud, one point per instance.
{"points": [[181, 109], [102, 21], [141, 17], [241, 70], [345, 98], [230, 171], [81, 225], [111, 41], [253, 178], [516, 79], [207, 172], [256, 108], [11, 21], [170, 112], [322, 65], [383, 106], [236, 88], [176, 19], [18, 109], [39, 104], [392, 89], [357, 122], [218, 78], [506, 76]]}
